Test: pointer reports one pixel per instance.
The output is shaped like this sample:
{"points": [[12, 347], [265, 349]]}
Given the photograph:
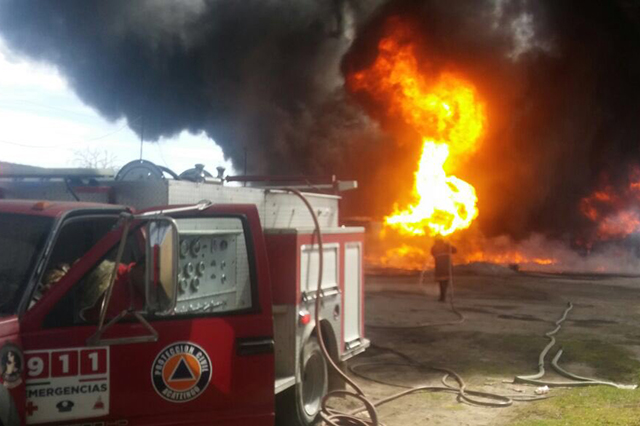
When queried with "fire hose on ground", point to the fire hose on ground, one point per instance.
{"points": [[578, 381], [480, 398], [335, 417]]}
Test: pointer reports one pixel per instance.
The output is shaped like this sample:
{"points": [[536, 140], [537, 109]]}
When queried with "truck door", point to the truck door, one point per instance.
{"points": [[212, 360]]}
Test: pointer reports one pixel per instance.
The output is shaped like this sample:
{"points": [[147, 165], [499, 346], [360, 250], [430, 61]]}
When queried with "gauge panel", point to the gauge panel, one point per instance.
{"points": [[207, 272]]}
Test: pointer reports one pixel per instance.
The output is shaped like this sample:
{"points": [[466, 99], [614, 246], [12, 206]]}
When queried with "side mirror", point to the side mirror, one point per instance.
{"points": [[161, 281]]}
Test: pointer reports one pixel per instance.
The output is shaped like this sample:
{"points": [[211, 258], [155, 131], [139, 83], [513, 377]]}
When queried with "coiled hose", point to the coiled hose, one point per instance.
{"points": [[485, 399]]}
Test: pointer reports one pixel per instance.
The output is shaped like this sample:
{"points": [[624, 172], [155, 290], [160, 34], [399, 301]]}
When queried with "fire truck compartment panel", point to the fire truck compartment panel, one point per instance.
{"points": [[213, 266], [294, 264]]}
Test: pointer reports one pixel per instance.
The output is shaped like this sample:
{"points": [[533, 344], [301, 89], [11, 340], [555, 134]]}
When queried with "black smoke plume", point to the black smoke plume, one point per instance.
{"points": [[559, 77], [260, 76]]}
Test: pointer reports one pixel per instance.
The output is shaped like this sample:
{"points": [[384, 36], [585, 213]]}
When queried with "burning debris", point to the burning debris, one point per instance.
{"points": [[613, 211]]}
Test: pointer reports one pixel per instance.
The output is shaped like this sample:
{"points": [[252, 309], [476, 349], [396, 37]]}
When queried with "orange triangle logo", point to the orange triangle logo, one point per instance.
{"points": [[181, 372]]}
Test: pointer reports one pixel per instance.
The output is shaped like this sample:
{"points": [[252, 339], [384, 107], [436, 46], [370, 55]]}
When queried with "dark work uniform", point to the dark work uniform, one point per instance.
{"points": [[441, 252]]}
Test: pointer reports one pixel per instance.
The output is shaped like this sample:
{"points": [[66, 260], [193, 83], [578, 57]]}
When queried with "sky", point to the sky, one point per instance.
{"points": [[43, 123]]}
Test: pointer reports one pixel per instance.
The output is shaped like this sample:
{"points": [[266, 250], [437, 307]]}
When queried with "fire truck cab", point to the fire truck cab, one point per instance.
{"points": [[114, 312]]}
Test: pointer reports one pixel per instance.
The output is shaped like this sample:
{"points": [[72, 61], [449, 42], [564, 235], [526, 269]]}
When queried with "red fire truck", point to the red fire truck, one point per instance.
{"points": [[114, 311]]}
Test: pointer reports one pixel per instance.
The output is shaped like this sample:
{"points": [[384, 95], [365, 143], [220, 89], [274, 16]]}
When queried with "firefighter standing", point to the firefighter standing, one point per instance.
{"points": [[441, 252]]}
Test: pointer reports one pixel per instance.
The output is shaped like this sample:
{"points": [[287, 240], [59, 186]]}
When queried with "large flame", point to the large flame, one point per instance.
{"points": [[445, 203], [445, 111]]}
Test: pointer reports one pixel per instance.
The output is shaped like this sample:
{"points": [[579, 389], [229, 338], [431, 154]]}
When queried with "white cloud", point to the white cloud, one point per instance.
{"points": [[42, 123], [18, 73]]}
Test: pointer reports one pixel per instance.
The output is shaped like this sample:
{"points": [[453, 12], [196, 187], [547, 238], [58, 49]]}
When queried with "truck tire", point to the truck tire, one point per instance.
{"points": [[300, 405]]}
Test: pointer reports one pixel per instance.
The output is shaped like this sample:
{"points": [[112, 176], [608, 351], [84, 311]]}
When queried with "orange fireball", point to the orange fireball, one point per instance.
{"points": [[444, 109]]}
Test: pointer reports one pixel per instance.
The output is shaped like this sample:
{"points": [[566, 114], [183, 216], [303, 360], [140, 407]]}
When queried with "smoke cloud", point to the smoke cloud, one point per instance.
{"points": [[559, 80], [254, 75]]}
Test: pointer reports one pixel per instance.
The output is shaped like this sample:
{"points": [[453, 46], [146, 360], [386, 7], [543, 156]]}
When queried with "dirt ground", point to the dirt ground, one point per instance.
{"points": [[507, 314]]}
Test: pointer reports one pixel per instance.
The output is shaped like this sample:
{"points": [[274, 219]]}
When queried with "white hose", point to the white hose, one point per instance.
{"points": [[578, 381]]}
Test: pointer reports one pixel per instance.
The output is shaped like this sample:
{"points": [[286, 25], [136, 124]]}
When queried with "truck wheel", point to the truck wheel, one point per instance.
{"points": [[314, 381], [299, 406]]}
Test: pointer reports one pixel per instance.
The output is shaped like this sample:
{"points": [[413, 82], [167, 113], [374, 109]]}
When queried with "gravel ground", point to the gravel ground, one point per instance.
{"points": [[506, 315]]}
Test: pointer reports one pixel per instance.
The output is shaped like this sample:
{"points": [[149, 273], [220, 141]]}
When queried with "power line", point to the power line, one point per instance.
{"points": [[112, 133], [29, 146], [35, 105], [161, 155]]}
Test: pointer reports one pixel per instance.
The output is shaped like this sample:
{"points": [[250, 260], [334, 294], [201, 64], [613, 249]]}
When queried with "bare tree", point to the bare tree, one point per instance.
{"points": [[94, 158]]}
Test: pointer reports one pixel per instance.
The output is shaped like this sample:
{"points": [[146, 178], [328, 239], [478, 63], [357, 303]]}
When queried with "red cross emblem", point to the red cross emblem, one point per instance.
{"points": [[31, 408]]}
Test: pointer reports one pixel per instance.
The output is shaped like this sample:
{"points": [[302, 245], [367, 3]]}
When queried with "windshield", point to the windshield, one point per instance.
{"points": [[22, 238]]}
